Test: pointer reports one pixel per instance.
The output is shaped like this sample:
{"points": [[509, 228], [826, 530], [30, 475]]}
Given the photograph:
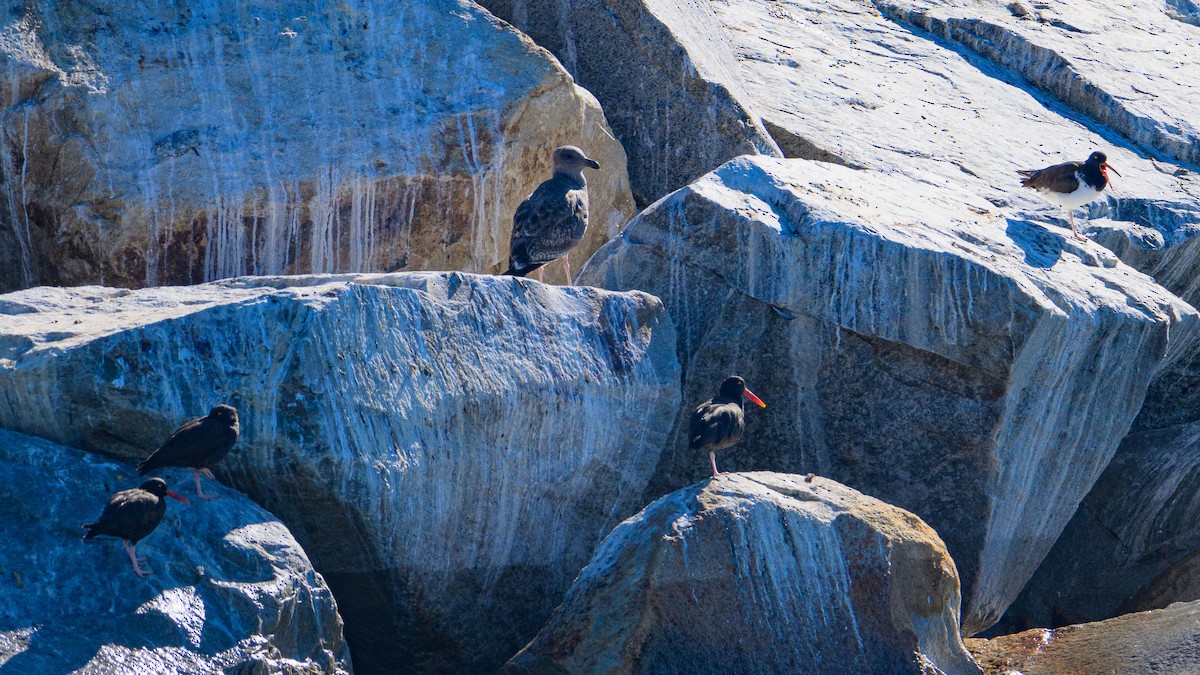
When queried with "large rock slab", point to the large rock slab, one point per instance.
{"points": [[760, 573], [910, 341], [1135, 541], [665, 74], [842, 81], [448, 448], [1126, 65], [1163, 642], [144, 145], [231, 592]]}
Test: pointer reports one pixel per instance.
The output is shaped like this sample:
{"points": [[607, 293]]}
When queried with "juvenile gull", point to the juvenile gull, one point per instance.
{"points": [[718, 422], [131, 515], [553, 219], [197, 444], [1071, 184]]}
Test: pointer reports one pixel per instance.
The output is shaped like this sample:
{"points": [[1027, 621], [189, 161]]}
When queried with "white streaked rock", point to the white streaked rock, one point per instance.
{"points": [[972, 367], [231, 591], [144, 145], [760, 573], [448, 448]]}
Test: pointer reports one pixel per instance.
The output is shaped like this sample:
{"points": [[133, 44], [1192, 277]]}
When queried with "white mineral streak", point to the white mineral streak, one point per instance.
{"points": [[467, 434], [759, 573], [1060, 349], [235, 139]]}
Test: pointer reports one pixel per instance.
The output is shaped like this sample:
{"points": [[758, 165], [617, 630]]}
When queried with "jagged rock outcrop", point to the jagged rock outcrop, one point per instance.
{"points": [[1123, 66], [1134, 543], [1163, 642], [145, 145], [448, 448], [665, 74], [231, 590], [863, 84], [760, 573], [910, 341]]}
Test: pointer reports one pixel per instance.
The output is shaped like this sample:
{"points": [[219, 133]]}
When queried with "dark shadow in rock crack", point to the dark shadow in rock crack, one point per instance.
{"points": [[1042, 247]]}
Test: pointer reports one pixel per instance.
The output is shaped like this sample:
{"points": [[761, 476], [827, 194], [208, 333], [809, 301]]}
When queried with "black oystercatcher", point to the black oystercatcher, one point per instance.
{"points": [[197, 444], [131, 515], [552, 220], [1071, 184], [718, 422]]}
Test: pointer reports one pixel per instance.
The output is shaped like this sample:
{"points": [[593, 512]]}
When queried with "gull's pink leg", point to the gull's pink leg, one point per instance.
{"points": [[200, 493], [712, 457], [207, 473], [131, 549], [567, 268], [540, 280]]}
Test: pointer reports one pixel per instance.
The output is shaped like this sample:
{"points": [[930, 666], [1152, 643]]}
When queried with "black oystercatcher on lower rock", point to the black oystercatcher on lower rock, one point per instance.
{"points": [[553, 219], [133, 514], [1071, 184], [197, 445], [718, 423]]}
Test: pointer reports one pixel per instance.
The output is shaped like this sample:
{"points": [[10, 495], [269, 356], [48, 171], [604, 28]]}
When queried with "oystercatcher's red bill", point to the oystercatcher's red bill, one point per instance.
{"points": [[176, 495], [750, 395]]}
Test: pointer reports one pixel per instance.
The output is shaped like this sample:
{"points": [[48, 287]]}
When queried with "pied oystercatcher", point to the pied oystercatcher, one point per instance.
{"points": [[1071, 184]]}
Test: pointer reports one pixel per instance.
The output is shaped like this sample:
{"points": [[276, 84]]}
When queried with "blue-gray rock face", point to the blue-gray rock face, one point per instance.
{"points": [[916, 103], [231, 589], [1134, 543], [760, 573], [668, 79], [1128, 65], [176, 143], [448, 448], [912, 341]]}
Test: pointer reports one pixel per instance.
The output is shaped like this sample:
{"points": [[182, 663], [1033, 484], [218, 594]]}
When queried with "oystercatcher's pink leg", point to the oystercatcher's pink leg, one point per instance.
{"points": [[131, 549], [200, 493], [1071, 219], [712, 457]]}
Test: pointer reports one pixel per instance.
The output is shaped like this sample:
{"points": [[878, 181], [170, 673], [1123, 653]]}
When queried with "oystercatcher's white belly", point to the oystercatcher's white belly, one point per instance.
{"points": [[1084, 194]]}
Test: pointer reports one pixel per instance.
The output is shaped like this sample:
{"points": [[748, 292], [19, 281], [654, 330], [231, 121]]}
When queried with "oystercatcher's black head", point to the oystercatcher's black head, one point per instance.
{"points": [[225, 414], [1099, 160], [158, 488], [734, 388]]}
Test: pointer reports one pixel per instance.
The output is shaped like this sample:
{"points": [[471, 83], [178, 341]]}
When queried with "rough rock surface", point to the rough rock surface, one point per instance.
{"points": [[231, 590], [760, 573], [902, 336], [158, 144], [1129, 65], [841, 81], [1134, 543], [1163, 642], [448, 448], [665, 74]]}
